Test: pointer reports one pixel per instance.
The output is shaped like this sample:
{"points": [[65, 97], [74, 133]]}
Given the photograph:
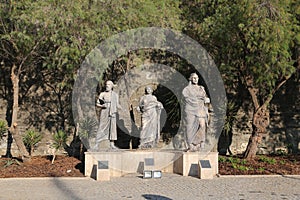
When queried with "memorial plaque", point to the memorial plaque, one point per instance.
{"points": [[103, 164], [149, 161], [205, 164]]}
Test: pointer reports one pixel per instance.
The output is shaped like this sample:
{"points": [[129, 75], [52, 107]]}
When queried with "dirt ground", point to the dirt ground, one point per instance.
{"points": [[65, 166]]}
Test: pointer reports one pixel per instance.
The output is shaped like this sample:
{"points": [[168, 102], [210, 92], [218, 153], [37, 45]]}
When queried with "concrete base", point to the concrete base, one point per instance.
{"points": [[187, 164], [103, 175], [205, 172], [124, 162]]}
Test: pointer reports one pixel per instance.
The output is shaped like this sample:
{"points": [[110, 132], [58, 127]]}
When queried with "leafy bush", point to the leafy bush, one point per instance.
{"points": [[30, 139]]}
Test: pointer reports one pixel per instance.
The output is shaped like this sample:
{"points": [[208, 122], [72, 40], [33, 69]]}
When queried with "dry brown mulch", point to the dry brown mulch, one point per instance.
{"points": [[65, 166], [41, 166]]}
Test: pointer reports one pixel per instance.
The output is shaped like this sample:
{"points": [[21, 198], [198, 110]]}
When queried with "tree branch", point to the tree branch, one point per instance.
{"points": [[30, 53], [270, 97], [249, 84]]}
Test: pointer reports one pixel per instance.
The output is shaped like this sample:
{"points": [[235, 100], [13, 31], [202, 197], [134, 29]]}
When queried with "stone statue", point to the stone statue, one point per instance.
{"points": [[195, 114], [151, 110], [108, 101]]}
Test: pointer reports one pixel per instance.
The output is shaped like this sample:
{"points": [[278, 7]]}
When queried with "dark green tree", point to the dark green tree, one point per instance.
{"points": [[52, 37], [252, 41]]}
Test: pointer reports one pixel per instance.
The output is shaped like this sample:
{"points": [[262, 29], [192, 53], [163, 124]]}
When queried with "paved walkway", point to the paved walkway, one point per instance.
{"points": [[170, 186]]}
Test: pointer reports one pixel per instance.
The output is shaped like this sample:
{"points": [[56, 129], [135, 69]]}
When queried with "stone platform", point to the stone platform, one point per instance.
{"points": [[123, 162]]}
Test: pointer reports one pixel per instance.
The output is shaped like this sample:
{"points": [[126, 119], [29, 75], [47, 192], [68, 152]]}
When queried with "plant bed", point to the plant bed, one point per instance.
{"points": [[41, 166], [261, 165], [65, 166]]}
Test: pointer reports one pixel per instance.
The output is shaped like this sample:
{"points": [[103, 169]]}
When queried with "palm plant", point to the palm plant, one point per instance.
{"points": [[30, 139], [60, 138], [86, 129]]}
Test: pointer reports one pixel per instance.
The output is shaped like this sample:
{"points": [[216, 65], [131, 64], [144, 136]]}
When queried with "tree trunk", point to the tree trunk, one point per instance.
{"points": [[14, 129], [260, 123]]}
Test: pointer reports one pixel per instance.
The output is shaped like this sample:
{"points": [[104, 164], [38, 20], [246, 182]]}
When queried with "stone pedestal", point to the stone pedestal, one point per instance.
{"points": [[205, 169], [124, 162], [103, 175], [188, 163], [103, 172]]}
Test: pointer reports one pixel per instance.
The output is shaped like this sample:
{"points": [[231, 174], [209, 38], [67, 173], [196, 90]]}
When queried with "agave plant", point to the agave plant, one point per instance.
{"points": [[30, 139]]}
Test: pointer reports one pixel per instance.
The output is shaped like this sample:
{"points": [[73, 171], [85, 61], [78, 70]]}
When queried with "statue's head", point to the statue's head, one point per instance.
{"points": [[194, 78], [148, 90], [109, 85]]}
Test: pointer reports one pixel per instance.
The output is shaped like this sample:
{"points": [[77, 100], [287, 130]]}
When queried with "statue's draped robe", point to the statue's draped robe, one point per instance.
{"points": [[108, 117], [195, 114], [151, 110]]}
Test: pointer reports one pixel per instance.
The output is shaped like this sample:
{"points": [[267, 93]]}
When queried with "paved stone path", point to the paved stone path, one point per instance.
{"points": [[170, 186]]}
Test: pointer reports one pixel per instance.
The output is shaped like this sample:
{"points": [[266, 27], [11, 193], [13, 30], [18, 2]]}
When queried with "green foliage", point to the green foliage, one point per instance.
{"points": [[230, 117], [241, 167], [222, 159], [59, 142], [261, 169], [271, 161], [59, 138], [252, 42], [87, 128], [233, 160], [30, 139], [243, 162], [3, 128], [282, 162], [54, 37], [236, 163]]}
